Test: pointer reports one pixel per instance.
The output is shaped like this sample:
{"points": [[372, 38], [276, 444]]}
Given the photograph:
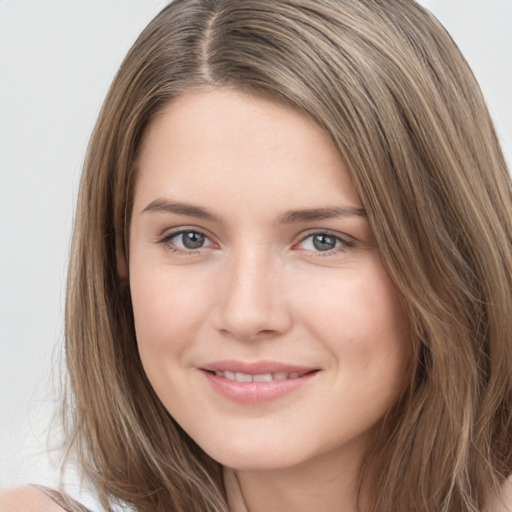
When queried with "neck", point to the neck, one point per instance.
{"points": [[321, 484]]}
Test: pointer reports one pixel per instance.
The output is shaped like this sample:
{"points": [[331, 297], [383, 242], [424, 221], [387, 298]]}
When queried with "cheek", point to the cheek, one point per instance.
{"points": [[356, 305], [168, 309], [370, 337], [358, 316]]}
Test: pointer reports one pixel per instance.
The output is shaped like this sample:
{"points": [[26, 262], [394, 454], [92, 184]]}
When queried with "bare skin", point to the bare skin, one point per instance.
{"points": [[27, 499]]}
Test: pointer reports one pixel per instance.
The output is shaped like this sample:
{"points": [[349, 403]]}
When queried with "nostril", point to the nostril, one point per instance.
{"points": [[243, 335]]}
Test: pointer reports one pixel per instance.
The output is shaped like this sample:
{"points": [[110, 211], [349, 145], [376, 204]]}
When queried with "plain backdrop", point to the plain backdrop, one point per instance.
{"points": [[57, 59]]}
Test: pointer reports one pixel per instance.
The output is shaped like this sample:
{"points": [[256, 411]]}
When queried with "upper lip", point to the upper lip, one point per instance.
{"points": [[255, 367]]}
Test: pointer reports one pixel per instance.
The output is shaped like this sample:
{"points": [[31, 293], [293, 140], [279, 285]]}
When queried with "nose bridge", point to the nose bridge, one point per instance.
{"points": [[252, 305]]}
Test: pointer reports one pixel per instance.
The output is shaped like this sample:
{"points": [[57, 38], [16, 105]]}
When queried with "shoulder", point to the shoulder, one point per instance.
{"points": [[507, 493], [502, 503], [26, 499]]}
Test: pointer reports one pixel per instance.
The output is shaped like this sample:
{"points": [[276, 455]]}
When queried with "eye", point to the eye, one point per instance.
{"points": [[187, 240], [324, 242]]}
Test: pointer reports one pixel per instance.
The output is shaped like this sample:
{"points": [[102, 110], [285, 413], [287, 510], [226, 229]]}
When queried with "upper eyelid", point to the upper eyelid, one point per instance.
{"points": [[172, 232], [340, 236]]}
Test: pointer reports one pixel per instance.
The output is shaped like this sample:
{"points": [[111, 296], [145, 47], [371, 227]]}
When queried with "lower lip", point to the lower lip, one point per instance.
{"points": [[256, 392]]}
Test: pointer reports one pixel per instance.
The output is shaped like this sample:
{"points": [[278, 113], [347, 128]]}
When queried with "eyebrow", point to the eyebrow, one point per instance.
{"points": [[293, 216], [166, 206], [315, 214]]}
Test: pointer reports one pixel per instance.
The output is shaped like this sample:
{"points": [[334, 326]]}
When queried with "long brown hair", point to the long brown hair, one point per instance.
{"points": [[392, 90]]}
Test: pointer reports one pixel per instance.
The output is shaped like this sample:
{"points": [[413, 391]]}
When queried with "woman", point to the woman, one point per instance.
{"points": [[290, 283]]}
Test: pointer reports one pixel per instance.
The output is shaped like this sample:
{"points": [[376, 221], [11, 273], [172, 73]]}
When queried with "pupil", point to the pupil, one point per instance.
{"points": [[324, 242], [193, 240]]}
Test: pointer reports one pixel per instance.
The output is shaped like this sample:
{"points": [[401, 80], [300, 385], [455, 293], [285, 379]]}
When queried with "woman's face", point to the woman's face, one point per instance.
{"points": [[265, 319]]}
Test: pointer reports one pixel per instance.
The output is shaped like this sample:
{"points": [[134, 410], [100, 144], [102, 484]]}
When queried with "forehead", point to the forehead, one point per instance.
{"points": [[233, 145]]}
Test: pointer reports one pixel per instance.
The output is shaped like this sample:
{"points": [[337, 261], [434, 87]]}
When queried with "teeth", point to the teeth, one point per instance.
{"points": [[266, 377], [243, 377], [263, 377]]}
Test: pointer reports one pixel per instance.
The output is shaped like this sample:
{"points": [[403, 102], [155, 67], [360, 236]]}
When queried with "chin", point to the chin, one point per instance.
{"points": [[254, 456], [273, 450]]}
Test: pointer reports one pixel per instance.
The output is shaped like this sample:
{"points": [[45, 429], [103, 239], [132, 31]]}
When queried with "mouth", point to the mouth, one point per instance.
{"points": [[258, 377], [256, 382]]}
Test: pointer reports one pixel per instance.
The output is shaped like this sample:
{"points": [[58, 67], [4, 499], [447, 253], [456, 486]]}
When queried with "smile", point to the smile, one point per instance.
{"points": [[260, 377], [256, 383]]}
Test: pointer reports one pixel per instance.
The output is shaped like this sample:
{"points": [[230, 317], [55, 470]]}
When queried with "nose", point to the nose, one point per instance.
{"points": [[253, 301]]}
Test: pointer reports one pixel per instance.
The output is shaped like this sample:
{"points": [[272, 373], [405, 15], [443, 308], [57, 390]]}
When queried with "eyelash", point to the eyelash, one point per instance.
{"points": [[342, 244], [167, 241]]}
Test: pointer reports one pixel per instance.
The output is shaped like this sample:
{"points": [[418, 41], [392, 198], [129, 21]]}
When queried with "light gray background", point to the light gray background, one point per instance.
{"points": [[57, 58]]}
